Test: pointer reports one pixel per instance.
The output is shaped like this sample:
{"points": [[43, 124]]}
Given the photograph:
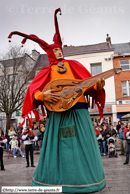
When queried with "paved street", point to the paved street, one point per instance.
{"points": [[117, 174]]}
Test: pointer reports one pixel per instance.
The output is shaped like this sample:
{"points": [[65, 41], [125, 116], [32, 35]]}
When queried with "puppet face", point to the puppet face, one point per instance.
{"points": [[58, 53]]}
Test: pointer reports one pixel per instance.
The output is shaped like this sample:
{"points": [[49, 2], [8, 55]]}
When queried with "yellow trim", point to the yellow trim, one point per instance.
{"points": [[39, 95], [70, 185]]}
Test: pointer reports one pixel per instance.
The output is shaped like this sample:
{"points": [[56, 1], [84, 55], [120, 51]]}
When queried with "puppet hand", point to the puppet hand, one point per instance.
{"points": [[50, 97], [99, 84]]}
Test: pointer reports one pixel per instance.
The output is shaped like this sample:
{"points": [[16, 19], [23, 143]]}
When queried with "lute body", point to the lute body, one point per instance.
{"points": [[70, 90]]}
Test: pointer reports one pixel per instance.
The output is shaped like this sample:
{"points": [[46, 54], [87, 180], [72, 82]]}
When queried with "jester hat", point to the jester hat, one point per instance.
{"points": [[44, 45]]}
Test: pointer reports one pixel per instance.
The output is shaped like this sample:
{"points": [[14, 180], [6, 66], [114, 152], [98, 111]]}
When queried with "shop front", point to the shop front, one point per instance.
{"points": [[107, 115], [123, 112]]}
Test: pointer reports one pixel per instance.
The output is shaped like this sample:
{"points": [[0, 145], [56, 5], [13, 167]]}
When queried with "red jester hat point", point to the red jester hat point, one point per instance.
{"points": [[45, 46]]}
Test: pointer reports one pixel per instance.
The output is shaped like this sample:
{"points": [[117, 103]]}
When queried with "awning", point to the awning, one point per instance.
{"points": [[121, 114]]}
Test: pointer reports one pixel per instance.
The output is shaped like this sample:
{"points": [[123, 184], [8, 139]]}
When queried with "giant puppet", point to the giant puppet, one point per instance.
{"points": [[70, 155]]}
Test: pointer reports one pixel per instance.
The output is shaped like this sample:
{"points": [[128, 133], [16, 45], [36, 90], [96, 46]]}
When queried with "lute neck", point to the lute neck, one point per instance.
{"points": [[89, 82]]}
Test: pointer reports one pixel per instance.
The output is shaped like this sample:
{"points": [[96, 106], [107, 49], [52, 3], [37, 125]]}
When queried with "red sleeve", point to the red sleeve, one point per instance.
{"points": [[24, 133], [3, 136], [125, 131], [97, 132], [33, 134]]}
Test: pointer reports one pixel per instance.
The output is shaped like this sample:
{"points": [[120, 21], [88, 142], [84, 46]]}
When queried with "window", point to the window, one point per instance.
{"points": [[124, 64], [96, 68], [126, 88], [12, 78]]}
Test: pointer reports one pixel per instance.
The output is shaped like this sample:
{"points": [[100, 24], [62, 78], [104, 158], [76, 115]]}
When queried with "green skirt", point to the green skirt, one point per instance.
{"points": [[70, 155]]}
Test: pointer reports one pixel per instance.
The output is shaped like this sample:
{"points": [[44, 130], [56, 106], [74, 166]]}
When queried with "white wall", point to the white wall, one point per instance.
{"points": [[88, 59]]}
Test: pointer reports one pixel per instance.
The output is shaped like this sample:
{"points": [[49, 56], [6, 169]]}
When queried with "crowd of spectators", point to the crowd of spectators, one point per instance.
{"points": [[14, 138], [121, 133]]}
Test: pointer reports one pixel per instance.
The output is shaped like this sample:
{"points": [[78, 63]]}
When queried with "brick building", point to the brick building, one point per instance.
{"points": [[121, 58]]}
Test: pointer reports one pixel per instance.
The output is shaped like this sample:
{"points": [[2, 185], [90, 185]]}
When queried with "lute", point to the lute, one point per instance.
{"points": [[70, 90]]}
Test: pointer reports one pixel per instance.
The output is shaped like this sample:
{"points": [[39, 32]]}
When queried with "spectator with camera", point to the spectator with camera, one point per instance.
{"points": [[122, 139], [28, 137]]}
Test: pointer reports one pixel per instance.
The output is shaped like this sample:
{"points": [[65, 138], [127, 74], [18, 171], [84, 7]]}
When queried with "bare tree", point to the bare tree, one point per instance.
{"points": [[15, 74]]}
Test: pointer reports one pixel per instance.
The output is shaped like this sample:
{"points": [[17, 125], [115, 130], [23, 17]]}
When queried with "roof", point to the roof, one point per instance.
{"points": [[42, 60], [15, 61], [86, 49], [121, 48], [12, 62]]}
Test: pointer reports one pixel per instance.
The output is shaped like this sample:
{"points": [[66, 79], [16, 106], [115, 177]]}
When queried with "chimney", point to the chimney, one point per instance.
{"points": [[35, 54], [108, 40]]}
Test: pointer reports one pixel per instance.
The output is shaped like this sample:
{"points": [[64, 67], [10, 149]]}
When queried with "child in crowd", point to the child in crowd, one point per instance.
{"points": [[19, 134], [14, 147]]}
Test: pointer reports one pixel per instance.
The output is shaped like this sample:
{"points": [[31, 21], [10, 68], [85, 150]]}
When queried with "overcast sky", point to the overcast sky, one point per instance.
{"points": [[82, 22]]}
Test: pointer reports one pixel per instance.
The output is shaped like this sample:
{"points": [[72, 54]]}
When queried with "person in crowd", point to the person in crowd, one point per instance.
{"points": [[18, 147], [41, 135], [7, 143], [118, 126], [11, 133], [14, 147], [122, 139], [102, 125], [20, 128], [99, 124], [2, 132], [3, 140], [35, 130], [127, 135], [41, 125], [19, 135], [105, 136], [125, 125], [112, 132], [95, 125], [99, 137], [29, 138]]}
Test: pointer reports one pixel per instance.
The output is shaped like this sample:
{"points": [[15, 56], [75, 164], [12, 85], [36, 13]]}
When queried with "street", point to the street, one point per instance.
{"points": [[117, 174]]}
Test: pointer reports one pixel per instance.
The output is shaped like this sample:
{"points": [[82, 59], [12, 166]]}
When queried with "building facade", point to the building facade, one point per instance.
{"points": [[97, 59], [121, 58]]}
